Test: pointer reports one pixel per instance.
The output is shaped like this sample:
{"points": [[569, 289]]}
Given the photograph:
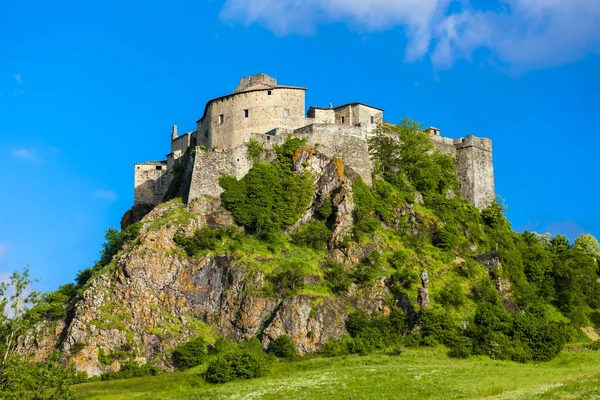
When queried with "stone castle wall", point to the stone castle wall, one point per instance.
{"points": [[260, 109], [276, 107], [209, 165], [475, 170], [151, 182], [346, 142]]}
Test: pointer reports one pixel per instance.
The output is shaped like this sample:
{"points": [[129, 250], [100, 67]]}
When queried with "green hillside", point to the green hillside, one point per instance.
{"points": [[302, 281]]}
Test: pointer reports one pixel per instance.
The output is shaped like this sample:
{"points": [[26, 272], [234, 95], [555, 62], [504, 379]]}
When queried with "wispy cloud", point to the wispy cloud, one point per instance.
{"points": [[29, 155], [18, 78], [520, 34], [106, 194]]}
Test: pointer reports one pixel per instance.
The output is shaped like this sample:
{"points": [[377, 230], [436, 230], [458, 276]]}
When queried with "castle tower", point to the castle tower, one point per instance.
{"points": [[174, 132], [475, 170]]}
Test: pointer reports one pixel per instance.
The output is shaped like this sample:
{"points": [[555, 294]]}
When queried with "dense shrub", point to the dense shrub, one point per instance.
{"points": [[270, 195], [368, 333], [326, 209], [288, 278], [190, 354], [337, 277], [242, 364], [204, 239], [283, 347], [451, 294], [314, 235], [369, 269], [447, 237], [21, 380]]}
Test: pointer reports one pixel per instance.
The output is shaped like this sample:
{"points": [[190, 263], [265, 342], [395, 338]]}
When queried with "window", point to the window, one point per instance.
{"points": [[159, 167], [372, 119], [220, 119], [343, 120], [286, 113], [269, 92], [245, 113]]}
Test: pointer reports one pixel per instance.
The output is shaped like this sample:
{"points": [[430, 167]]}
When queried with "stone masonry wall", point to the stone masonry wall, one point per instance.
{"points": [[346, 142], [475, 170], [209, 165], [265, 112], [151, 182]]}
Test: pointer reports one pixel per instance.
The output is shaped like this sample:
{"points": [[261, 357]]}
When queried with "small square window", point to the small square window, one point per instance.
{"points": [[286, 113], [245, 113], [343, 119], [220, 119], [269, 92], [159, 167]]}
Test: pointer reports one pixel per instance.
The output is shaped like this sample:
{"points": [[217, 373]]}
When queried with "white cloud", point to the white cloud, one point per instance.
{"points": [[106, 194], [18, 78], [522, 34], [29, 155], [528, 34], [294, 16]]}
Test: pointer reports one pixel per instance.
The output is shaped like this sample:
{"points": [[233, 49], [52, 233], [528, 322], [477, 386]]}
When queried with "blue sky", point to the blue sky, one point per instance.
{"points": [[88, 89]]}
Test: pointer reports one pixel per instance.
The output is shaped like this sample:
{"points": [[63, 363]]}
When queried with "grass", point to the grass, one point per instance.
{"points": [[417, 373]]}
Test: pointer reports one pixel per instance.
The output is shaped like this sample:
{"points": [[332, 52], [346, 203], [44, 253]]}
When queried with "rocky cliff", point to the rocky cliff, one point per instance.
{"points": [[153, 296]]}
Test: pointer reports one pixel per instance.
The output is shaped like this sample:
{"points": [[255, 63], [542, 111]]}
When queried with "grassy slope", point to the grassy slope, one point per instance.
{"points": [[417, 373]]}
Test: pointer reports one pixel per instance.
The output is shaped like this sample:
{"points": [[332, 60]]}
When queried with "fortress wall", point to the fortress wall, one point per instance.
{"points": [[346, 113], [322, 116], [209, 165], [444, 144], [346, 142], [475, 170], [265, 112], [364, 115], [151, 182], [180, 145]]}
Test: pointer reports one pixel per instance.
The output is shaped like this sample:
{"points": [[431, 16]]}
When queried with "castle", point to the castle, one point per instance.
{"points": [[260, 109]]}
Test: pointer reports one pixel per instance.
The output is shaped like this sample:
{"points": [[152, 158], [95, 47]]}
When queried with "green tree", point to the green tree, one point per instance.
{"points": [[588, 244], [384, 148]]}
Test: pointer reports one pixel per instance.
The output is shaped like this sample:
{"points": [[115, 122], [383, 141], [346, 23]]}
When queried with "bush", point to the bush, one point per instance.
{"points": [[190, 354], [270, 195], [439, 326], [203, 239], [448, 237], [77, 347], [243, 364], [451, 295], [288, 279], [314, 235], [326, 209], [369, 269], [336, 277], [461, 347], [283, 347]]}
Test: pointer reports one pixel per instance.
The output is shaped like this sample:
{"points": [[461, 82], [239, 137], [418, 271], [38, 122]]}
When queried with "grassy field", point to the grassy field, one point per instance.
{"points": [[415, 374]]}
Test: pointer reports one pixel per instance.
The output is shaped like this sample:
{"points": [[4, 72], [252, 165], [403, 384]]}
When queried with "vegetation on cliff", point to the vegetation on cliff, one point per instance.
{"points": [[404, 264]]}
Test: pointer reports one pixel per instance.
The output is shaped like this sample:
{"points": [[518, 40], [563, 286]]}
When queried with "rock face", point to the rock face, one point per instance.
{"points": [[153, 296], [423, 298]]}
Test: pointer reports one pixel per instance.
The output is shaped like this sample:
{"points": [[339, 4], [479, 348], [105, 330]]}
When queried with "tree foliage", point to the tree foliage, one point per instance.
{"points": [[270, 196]]}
